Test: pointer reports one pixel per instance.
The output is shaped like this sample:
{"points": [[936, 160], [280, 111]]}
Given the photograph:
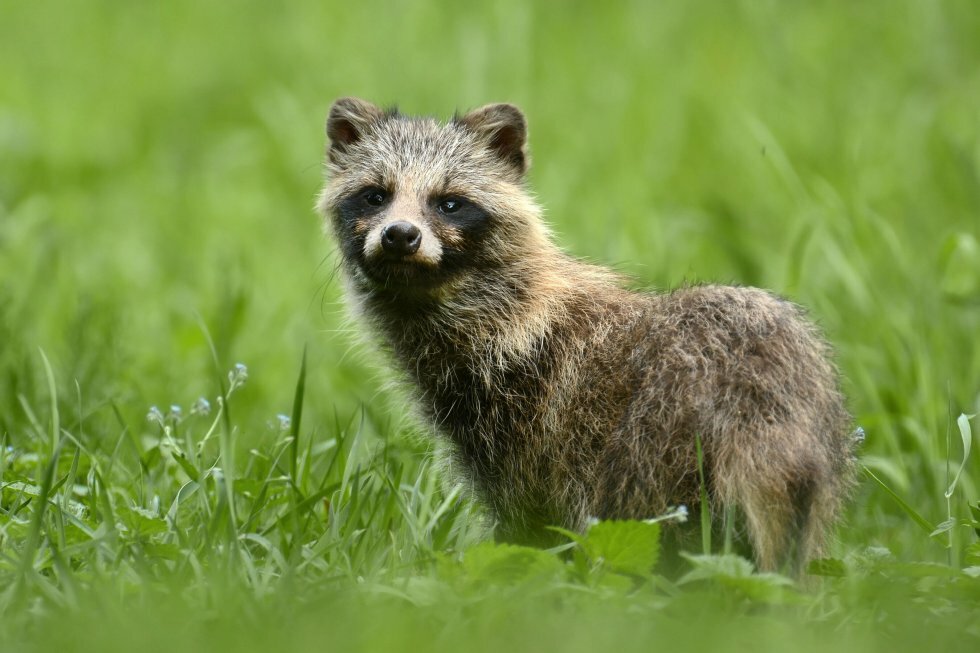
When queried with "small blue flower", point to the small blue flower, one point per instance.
{"points": [[284, 422], [155, 415], [201, 407], [238, 376]]}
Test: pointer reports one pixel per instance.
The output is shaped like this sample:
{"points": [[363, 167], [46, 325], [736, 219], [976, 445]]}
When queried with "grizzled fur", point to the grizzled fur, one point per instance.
{"points": [[562, 395]]}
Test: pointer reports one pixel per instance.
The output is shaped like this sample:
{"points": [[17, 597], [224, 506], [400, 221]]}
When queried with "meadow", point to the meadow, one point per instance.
{"points": [[198, 452]]}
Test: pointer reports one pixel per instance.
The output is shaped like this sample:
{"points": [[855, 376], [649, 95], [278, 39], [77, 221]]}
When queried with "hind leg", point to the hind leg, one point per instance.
{"points": [[772, 529], [823, 513], [778, 490]]}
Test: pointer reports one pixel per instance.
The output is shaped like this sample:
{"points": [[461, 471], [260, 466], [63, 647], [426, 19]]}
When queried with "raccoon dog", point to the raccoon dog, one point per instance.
{"points": [[562, 395]]}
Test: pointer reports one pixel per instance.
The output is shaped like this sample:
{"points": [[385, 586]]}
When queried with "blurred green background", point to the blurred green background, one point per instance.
{"points": [[159, 162]]}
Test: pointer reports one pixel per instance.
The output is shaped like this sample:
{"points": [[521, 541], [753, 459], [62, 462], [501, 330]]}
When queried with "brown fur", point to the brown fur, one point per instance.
{"points": [[562, 395]]}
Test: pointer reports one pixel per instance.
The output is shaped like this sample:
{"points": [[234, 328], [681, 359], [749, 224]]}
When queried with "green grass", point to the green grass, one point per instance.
{"points": [[158, 164]]}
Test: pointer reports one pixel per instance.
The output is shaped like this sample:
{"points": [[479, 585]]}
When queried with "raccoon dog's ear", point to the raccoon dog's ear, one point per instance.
{"points": [[349, 119], [504, 129]]}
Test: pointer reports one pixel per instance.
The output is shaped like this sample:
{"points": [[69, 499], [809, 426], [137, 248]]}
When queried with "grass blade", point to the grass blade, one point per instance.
{"points": [[37, 519], [963, 423], [297, 415], [53, 393], [909, 510]]}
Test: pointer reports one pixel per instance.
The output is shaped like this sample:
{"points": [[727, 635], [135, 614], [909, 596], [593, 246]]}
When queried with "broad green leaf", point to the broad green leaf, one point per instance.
{"points": [[140, 520], [165, 550], [631, 547], [832, 567], [971, 554], [738, 574], [20, 487], [509, 563], [712, 566]]}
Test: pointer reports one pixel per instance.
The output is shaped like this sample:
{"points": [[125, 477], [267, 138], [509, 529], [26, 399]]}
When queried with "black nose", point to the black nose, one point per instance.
{"points": [[401, 238]]}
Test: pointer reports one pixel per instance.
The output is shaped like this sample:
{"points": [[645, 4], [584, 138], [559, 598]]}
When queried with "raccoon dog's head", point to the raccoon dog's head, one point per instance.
{"points": [[420, 208]]}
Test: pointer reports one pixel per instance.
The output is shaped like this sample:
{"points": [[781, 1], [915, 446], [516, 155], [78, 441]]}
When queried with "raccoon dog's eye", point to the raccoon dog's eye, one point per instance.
{"points": [[375, 196], [450, 205]]}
